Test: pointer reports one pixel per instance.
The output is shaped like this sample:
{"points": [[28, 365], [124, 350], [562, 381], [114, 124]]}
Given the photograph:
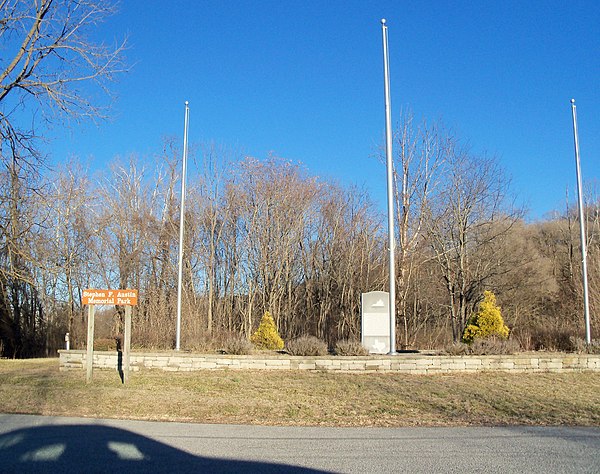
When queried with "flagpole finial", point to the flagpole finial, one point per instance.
{"points": [[186, 102], [383, 21], [573, 101]]}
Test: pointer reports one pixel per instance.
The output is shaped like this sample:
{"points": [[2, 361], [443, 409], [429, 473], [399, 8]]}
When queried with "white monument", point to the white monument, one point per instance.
{"points": [[375, 321]]}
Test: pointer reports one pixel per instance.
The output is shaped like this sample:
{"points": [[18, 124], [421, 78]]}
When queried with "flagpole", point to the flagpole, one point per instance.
{"points": [[182, 225], [390, 184], [586, 302]]}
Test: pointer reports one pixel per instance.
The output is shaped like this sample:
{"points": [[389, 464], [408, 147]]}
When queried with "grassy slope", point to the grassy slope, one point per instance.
{"points": [[303, 398]]}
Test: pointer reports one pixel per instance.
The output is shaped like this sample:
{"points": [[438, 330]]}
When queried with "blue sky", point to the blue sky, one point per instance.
{"points": [[303, 79]]}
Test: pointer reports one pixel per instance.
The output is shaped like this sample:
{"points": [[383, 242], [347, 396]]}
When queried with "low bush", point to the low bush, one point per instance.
{"points": [[582, 347], [559, 340], [237, 345], [457, 349], [350, 347], [523, 336], [593, 347], [306, 346], [105, 344], [494, 346], [207, 343]]}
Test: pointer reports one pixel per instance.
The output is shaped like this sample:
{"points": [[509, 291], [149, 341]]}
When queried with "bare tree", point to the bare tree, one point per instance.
{"points": [[69, 237], [344, 258], [420, 153], [213, 215], [47, 70], [50, 60], [274, 200], [558, 240], [20, 320], [470, 216]]}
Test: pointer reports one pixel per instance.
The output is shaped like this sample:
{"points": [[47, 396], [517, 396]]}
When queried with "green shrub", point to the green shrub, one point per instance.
{"points": [[266, 336], [350, 347], [307, 346], [487, 321]]}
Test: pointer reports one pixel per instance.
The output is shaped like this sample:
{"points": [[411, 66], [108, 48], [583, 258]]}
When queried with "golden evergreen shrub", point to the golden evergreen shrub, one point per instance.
{"points": [[486, 322], [266, 336]]}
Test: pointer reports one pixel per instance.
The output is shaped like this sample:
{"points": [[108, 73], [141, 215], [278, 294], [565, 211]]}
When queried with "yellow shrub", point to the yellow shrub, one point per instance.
{"points": [[486, 322], [266, 336]]}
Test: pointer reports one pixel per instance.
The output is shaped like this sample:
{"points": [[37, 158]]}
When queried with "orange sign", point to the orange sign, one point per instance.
{"points": [[110, 297]]}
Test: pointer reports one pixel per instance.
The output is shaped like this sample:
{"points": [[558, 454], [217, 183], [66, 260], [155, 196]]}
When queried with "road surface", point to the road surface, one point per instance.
{"points": [[60, 445]]}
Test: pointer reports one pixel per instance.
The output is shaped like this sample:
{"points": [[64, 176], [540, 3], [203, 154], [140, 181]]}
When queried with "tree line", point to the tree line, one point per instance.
{"points": [[266, 235]]}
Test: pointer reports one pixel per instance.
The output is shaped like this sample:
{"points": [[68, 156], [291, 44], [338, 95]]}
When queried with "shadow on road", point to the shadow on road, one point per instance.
{"points": [[89, 448]]}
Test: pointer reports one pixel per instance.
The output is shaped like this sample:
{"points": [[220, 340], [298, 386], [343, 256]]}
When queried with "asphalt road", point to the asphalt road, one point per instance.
{"points": [[60, 445]]}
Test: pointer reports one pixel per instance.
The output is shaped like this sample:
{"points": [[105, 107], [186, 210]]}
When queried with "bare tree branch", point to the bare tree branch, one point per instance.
{"points": [[52, 62]]}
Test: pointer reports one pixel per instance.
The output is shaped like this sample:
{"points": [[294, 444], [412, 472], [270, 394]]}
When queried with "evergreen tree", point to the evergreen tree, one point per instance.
{"points": [[486, 322], [266, 336]]}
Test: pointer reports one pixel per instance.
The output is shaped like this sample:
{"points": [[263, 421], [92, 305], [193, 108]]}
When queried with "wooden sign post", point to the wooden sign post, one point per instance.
{"points": [[90, 343], [91, 298], [126, 344]]}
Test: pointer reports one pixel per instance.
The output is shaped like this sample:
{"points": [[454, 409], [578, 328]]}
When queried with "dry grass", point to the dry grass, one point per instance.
{"points": [[304, 398]]}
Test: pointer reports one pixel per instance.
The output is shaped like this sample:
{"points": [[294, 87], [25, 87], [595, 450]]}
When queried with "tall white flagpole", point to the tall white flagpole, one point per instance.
{"points": [[182, 225], [586, 302], [390, 189]]}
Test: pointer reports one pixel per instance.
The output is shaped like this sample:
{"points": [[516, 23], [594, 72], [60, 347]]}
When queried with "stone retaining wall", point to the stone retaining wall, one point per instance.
{"points": [[401, 363]]}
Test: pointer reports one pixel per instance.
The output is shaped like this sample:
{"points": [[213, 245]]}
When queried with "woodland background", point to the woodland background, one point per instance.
{"points": [[266, 235]]}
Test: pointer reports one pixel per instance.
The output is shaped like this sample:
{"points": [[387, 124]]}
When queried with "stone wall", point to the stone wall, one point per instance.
{"points": [[401, 363]]}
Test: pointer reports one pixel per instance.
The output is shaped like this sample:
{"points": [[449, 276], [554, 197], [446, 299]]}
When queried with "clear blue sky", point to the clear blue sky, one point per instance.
{"points": [[304, 79]]}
